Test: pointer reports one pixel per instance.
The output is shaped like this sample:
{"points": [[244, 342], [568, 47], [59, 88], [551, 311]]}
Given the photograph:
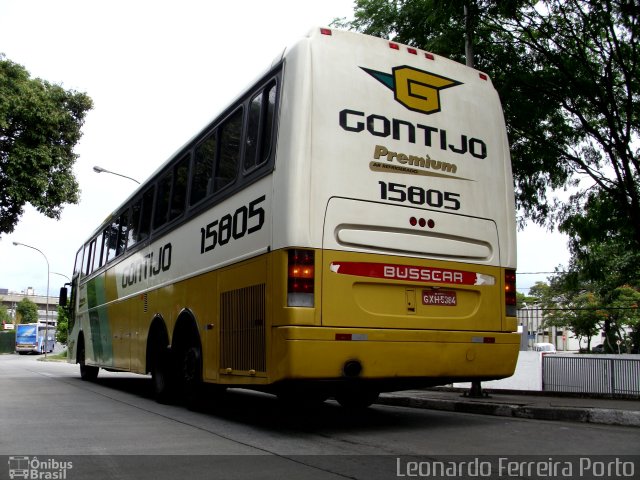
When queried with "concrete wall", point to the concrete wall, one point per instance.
{"points": [[528, 375]]}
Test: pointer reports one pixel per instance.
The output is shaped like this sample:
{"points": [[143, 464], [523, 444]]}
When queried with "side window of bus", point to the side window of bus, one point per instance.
{"points": [[179, 191], [77, 268], [260, 127], [230, 137], [163, 195], [145, 216], [92, 256], [97, 255], [123, 230], [86, 263], [110, 241], [134, 228], [105, 246], [202, 174]]}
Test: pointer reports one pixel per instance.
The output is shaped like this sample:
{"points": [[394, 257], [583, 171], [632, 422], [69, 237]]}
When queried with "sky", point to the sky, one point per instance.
{"points": [[157, 72]]}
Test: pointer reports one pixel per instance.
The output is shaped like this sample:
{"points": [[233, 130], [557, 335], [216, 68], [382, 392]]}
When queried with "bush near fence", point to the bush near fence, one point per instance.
{"points": [[8, 341]]}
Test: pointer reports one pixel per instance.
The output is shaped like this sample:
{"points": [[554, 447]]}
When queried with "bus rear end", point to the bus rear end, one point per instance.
{"points": [[27, 338], [401, 261]]}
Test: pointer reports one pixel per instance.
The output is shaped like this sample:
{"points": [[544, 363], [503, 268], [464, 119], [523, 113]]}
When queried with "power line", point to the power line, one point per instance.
{"points": [[538, 273]]}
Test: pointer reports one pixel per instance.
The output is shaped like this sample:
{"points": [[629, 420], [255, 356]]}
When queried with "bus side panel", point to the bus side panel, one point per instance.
{"points": [[95, 324], [243, 322]]}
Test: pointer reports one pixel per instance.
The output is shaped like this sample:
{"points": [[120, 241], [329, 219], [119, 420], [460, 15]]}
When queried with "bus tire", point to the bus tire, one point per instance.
{"points": [[163, 377], [87, 372], [357, 399], [191, 375]]}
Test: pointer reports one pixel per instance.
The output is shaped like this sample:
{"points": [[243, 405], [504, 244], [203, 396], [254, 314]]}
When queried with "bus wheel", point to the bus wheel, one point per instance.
{"points": [[191, 376], [163, 377], [357, 399], [87, 372]]}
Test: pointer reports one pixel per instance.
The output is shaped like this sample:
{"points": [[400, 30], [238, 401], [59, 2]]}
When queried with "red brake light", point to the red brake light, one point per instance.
{"points": [[325, 31], [394, 46], [301, 278], [510, 292]]}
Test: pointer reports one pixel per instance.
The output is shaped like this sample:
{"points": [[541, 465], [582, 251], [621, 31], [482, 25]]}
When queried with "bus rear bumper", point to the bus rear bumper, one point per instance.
{"points": [[423, 357]]}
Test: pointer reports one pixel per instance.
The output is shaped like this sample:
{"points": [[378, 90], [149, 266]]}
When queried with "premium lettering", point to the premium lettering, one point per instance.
{"points": [[413, 160]]}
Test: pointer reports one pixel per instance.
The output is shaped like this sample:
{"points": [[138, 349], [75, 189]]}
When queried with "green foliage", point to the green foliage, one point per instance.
{"points": [[26, 311], [584, 317], [624, 314], [39, 127], [4, 315], [602, 248], [62, 329]]}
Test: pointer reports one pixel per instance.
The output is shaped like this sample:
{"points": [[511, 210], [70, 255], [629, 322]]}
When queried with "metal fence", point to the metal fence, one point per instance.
{"points": [[616, 375]]}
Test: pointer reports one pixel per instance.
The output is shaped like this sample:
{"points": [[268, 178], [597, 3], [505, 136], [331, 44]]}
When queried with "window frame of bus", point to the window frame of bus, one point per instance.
{"points": [[242, 177]]}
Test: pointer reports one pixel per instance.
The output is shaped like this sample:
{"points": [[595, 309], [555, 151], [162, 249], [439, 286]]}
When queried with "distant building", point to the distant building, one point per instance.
{"points": [[11, 300], [531, 325]]}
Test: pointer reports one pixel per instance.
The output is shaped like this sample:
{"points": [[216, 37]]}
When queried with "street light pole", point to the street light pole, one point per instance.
{"points": [[61, 274], [98, 169], [46, 317]]}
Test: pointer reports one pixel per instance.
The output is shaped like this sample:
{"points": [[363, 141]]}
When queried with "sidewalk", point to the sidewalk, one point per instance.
{"points": [[534, 405]]}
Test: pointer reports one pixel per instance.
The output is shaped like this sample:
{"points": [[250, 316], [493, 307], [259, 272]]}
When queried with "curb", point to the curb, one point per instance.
{"points": [[603, 416]]}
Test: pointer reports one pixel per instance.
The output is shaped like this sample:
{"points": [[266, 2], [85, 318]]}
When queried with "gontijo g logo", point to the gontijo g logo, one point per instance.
{"points": [[415, 89]]}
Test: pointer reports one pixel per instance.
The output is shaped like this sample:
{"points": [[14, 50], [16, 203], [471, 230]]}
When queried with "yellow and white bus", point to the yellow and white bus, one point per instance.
{"points": [[345, 227]]}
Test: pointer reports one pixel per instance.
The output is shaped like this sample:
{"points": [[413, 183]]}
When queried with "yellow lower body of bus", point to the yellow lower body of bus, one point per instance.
{"points": [[392, 357]]}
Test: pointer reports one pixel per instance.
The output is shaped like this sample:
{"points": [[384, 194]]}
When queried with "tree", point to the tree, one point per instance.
{"points": [[602, 250], [62, 328], [568, 73], [27, 311], [624, 314], [39, 127], [584, 317], [4, 315]]}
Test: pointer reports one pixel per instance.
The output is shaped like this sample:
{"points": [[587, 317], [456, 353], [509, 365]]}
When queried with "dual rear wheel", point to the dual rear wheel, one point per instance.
{"points": [[177, 374]]}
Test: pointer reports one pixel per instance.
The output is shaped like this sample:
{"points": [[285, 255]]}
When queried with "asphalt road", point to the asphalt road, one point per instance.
{"points": [[121, 432]]}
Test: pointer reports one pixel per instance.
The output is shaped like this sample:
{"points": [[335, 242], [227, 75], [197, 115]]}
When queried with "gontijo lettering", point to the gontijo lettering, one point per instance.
{"points": [[146, 267], [381, 126]]}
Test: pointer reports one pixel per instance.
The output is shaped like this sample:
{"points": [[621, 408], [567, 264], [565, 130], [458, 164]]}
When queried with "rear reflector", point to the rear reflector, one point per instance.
{"points": [[352, 337], [301, 277], [510, 299], [483, 339]]}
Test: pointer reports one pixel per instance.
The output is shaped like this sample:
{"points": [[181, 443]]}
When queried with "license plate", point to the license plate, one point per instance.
{"points": [[440, 298]]}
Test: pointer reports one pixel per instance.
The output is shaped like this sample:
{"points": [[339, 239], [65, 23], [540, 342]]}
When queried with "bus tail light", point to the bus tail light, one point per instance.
{"points": [[301, 277], [510, 292]]}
